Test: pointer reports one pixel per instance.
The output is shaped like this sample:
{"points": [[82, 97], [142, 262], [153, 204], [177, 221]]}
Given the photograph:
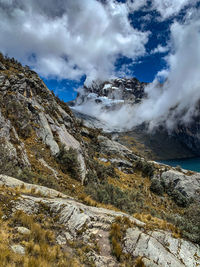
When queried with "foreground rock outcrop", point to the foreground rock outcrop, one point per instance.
{"points": [[81, 222]]}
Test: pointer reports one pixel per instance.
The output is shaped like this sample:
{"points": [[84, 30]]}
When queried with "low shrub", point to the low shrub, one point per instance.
{"points": [[179, 198], [156, 187], [117, 234], [99, 173], [145, 167], [109, 194], [188, 223], [68, 161], [28, 176]]}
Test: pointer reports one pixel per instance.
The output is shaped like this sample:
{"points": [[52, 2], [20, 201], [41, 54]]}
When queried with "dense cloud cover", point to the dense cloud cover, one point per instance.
{"points": [[175, 101], [67, 39]]}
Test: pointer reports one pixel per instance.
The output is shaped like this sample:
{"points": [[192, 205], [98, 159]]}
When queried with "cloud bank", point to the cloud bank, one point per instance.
{"points": [[174, 101], [67, 39]]}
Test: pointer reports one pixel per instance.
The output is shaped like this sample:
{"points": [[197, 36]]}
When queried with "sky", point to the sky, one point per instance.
{"points": [[72, 42]]}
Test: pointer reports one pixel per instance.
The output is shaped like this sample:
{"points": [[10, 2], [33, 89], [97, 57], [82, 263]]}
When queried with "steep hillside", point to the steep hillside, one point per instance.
{"points": [[82, 197]]}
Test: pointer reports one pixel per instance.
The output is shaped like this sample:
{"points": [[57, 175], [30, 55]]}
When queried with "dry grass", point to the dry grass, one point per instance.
{"points": [[153, 223]]}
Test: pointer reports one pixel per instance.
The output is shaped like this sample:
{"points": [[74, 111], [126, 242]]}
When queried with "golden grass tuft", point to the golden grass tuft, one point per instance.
{"points": [[153, 223]]}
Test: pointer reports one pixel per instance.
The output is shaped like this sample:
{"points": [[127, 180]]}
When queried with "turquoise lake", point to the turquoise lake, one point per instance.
{"points": [[192, 164]]}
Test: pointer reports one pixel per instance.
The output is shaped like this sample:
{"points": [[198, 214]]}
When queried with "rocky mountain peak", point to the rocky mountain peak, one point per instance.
{"points": [[113, 92]]}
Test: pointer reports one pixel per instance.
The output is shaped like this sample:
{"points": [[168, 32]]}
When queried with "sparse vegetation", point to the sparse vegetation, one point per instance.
{"points": [[117, 234], [29, 176]]}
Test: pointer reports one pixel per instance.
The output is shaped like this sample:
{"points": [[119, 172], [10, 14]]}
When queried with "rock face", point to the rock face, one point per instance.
{"points": [[156, 247], [160, 249], [29, 109], [187, 185], [18, 249]]}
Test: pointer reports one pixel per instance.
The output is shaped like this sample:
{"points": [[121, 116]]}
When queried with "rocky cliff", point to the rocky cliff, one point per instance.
{"points": [[72, 196]]}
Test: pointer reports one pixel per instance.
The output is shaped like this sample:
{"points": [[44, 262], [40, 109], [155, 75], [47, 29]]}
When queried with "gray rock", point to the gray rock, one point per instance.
{"points": [[84, 131], [18, 249], [61, 240], [23, 230], [110, 146], [2, 67], [161, 248], [21, 75], [189, 186], [68, 236], [6, 83], [46, 134], [123, 165], [2, 79]]}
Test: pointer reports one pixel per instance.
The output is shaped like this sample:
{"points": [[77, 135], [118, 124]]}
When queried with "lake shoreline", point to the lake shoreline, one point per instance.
{"points": [[192, 164]]}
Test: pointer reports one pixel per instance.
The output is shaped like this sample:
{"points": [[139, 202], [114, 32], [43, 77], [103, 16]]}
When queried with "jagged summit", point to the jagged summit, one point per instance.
{"points": [[113, 92]]}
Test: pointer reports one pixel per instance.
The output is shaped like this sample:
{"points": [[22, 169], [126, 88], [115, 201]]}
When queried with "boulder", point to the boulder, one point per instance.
{"points": [[18, 249], [161, 248], [187, 185], [23, 230], [155, 247]]}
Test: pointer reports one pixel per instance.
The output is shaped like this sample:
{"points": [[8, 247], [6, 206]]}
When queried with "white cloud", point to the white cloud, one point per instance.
{"points": [[168, 8], [160, 49], [176, 99], [69, 38], [135, 5]]}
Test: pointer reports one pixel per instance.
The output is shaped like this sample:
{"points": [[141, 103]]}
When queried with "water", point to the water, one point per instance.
{"points": [[192, 164]]}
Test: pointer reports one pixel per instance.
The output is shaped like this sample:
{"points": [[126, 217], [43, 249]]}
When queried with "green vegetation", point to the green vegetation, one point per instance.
{"points": [[145, 167], [159, 187], [109, 194], [28, 176], [156, 187], [68, 161], [98, 172]]}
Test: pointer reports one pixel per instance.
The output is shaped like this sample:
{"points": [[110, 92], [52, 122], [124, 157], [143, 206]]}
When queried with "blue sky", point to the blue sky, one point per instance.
{"points": [[145, 67], [78, 41]]}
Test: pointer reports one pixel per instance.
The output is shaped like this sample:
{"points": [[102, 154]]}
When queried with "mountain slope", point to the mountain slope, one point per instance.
{"points": [[96, 180]]}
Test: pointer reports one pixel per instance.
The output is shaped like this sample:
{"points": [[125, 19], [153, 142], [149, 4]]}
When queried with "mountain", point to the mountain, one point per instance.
{"points": [[70, 195], [94, 103], [112, 93]]}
